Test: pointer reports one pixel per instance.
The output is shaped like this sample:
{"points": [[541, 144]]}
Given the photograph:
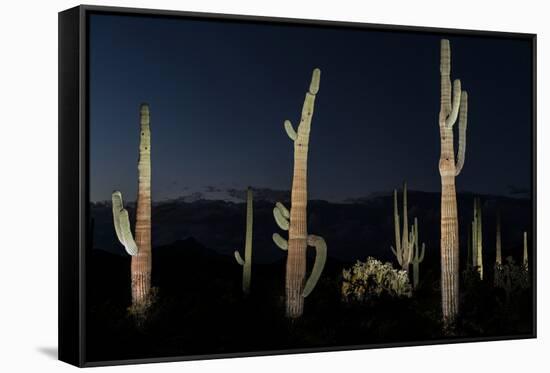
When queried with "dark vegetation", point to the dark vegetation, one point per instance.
{"points": [[199, 307]]}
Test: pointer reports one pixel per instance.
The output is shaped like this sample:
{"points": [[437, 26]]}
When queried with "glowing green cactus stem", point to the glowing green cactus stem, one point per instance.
{"points": [[320, 259], [122, 224], [247, 262], [477, 239], [403, 250], [525, 255], [418, 255], [294, 221]]}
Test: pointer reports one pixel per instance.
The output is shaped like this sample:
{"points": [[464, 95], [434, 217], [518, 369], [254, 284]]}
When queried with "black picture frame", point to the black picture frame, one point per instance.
{"points": [[74, 165]]}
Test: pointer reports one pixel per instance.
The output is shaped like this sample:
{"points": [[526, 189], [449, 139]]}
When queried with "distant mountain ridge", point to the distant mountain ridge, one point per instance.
{"points": [[353, 229]]}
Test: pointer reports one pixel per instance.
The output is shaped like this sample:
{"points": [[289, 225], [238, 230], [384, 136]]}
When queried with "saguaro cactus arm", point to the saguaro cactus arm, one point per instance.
{"points": [[281, 216], [422, 252], [449, 111], [397, 228], [290, 130], [280, 241], [315, 81], [457, 93], [122, 224], [239, 258], [418, 255], [320, 259], [462, 124]]}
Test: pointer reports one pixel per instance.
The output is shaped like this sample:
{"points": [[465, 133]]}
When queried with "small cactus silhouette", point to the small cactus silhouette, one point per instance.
{"points": [[418, 256], [477, 238], [403, 250], [247, 262]]}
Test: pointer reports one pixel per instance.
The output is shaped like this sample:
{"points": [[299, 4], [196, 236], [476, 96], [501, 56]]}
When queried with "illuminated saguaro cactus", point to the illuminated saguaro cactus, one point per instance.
{"points": [[448, 169], [140, 248], [295, 220], [247, 262], [477, 238]]}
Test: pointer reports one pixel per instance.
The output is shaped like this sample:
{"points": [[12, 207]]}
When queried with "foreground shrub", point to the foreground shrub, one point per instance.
{"points": [[512, 278], [372, 278]]}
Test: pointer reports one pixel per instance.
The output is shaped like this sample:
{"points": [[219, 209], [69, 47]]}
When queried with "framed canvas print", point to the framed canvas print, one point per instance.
{"points": [[239, 186]]}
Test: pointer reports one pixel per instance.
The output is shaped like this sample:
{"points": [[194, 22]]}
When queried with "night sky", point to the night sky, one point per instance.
{"points": [[220, 91]]}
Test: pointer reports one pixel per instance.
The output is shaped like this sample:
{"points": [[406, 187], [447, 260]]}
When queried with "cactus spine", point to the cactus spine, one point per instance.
{"points": [[448, 169], [295, 220], [477, 238], [140, 248], [525, 255], [403, 250], [247, 262], [418, 256]]}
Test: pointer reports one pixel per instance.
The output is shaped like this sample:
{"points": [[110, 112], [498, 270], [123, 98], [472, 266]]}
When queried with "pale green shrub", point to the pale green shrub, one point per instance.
{"points": [[373, 278]]}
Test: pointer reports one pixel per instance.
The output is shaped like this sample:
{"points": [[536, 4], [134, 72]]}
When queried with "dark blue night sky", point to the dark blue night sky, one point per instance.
{"points": [[220, 91]]}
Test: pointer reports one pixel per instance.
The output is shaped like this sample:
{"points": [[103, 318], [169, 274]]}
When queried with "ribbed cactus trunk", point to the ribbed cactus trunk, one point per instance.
{"points": [[297, 234], [141, 263], [295, 221], [448, 170], [449, 248]]}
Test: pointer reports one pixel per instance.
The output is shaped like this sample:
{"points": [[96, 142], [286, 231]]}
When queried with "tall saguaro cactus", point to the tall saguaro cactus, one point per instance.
{"points": [[403, 250], [450, 110], [247, 262], [296, 287], [477, 238], [140, 248]]}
